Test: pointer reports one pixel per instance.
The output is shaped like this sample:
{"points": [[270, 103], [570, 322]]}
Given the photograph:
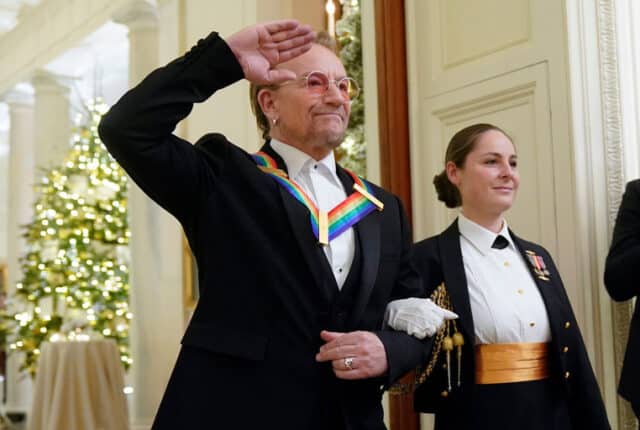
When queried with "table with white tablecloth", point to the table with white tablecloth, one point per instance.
{"points": [[79, 386]]}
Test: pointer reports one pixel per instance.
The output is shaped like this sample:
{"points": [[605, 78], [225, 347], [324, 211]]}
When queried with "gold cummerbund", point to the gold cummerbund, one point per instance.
{"points": [[501, 363]]}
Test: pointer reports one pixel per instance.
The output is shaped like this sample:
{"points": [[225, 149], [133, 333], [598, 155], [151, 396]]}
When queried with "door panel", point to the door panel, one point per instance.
{"points": [[519, 104]]}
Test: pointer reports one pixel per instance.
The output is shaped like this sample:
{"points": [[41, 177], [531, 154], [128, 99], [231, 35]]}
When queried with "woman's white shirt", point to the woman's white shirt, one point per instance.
{"points": [[505, 301]]}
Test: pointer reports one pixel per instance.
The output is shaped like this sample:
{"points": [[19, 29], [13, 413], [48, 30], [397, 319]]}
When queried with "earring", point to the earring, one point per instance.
{"points": [[274, 121]]}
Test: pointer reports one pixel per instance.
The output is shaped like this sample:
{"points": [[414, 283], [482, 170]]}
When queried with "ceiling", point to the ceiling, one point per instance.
{"points": [[10, 10], [94, 66]]}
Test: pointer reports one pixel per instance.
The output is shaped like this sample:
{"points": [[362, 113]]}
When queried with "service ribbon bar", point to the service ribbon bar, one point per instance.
{"points": [[538, 265]]}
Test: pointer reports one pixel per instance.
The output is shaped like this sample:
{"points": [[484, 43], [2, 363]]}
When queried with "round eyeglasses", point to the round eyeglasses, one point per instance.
{"points": [[318, 83]]}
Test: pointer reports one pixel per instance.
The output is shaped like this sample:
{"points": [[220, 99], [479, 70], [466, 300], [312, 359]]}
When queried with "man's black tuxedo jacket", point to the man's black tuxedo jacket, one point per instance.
{"points": [[248, 354], [622, 279], [439, 259]]}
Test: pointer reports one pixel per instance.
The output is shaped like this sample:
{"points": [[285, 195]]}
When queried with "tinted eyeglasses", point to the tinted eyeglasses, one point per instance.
{"points": [[318, 83]]}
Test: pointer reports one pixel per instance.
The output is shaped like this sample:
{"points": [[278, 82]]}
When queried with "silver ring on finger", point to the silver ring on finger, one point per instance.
{"points": [[348, 363]]}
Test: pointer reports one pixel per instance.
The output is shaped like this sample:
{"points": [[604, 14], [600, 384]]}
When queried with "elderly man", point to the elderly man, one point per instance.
{"points": [[297, 256]]}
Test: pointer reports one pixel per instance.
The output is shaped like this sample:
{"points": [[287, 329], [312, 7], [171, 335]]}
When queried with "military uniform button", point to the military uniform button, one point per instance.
{"points": [[567, 375], [567, 324], [565, 349]]}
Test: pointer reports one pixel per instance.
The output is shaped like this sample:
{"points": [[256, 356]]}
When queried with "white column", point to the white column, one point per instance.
{"points": [[156, 272], [4, 180], [142, 20], [20, 203], [52, 119]]}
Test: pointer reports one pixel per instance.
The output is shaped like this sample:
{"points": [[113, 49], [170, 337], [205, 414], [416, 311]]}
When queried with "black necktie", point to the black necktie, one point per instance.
{"points": [[500, 243]]}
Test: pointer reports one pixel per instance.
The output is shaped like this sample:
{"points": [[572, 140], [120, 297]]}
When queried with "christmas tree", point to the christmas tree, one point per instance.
{"points": [[352, 154], [75, 279]]}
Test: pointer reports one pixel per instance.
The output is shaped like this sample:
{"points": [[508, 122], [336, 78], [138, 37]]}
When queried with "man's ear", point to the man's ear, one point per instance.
{"points": [[453, 172], [267, 101]]}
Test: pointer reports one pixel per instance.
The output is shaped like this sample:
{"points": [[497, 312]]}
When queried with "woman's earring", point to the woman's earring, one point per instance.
{"points": [[274, 121]]}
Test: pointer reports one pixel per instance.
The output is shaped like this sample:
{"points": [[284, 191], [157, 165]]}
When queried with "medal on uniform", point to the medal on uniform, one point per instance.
{"points": [[537, 263]]}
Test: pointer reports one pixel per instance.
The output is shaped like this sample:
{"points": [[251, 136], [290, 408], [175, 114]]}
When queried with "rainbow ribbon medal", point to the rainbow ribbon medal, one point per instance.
{"points": [[326, 226]]}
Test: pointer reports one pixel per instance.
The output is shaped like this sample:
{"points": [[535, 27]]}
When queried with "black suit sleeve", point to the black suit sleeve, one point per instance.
{"points": [[404, 352], [427, 263], [427, 396], [621, 269], [138, 128]]}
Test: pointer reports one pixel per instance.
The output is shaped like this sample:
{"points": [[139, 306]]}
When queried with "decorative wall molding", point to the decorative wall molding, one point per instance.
{"points": [[518, 94], [598, 141], [612, 116], [615, 178]]}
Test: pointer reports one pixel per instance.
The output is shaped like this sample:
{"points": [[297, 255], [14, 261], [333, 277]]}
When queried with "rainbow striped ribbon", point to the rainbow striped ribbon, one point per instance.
{"points": [[325, 226]]}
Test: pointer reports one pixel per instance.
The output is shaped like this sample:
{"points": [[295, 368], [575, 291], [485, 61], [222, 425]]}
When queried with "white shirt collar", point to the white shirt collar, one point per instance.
{"points": [[480, 237], [296, 159]]}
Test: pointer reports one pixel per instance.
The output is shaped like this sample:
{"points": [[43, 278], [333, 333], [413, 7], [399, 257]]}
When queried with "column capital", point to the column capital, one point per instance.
{"points": [[45, 81], [17, 97], [138, 15]]}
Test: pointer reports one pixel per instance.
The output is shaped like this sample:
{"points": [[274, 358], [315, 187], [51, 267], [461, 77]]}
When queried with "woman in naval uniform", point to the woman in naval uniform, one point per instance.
{"points": [[515, 358]]}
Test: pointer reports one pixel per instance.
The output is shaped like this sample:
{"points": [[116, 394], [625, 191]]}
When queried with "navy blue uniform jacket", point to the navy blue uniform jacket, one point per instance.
{"points": [[439, 259]]}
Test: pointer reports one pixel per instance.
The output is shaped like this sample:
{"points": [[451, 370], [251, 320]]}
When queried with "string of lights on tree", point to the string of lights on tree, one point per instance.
{"points": [[75, 277], [352, 153]]}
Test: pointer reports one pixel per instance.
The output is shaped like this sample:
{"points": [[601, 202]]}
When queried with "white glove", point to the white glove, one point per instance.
{"points": [[417, 317]]}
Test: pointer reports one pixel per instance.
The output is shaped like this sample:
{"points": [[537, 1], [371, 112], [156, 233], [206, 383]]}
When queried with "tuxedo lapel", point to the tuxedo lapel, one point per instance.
{"points": [[368, 231], [455, 280], [300, 222]]}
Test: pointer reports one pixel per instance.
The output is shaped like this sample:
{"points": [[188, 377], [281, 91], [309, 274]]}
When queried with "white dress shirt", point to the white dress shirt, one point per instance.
{"points": [[321, 183], [505, 302]]}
